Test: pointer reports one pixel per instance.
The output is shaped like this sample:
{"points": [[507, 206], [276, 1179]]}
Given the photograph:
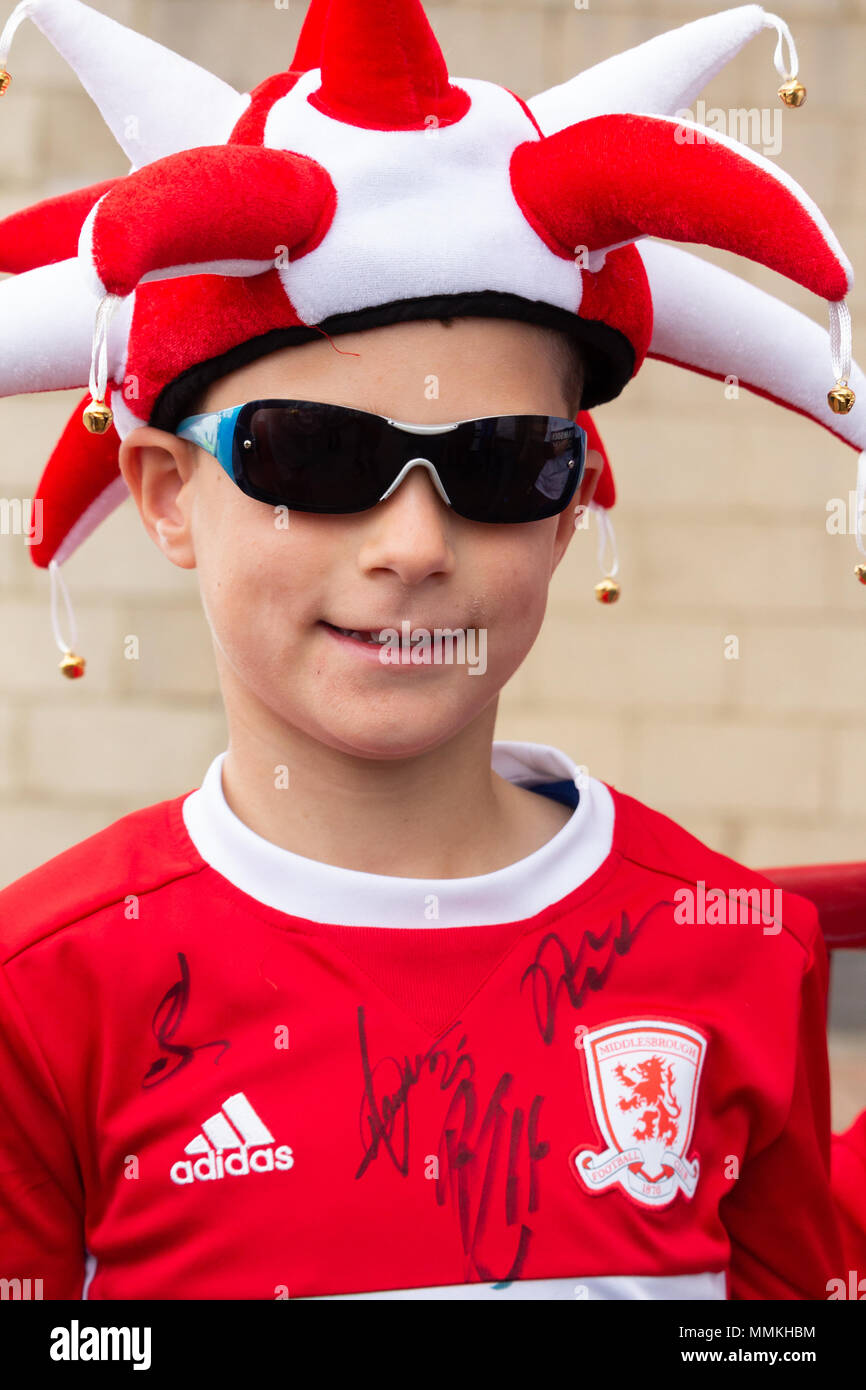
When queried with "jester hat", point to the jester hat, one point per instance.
{"points": [[364, 185]]}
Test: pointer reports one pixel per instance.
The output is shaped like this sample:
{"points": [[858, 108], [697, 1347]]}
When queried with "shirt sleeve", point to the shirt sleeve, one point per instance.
{"points": [[41, 1194], [780, 1216]]}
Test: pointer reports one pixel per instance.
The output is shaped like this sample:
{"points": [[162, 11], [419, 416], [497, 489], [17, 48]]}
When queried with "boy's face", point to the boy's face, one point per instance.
{"points": [[271, 589]]}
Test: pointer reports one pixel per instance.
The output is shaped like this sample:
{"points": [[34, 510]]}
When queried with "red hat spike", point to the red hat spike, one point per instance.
{"points": [[613, 179], [308, 53], [48, 231], [605, 491], [148, 224], [81, 484], [382, 67]]}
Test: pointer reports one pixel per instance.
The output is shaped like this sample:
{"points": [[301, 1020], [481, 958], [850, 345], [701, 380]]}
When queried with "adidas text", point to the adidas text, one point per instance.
{"points": [[233, 1142], [238, 1164]]}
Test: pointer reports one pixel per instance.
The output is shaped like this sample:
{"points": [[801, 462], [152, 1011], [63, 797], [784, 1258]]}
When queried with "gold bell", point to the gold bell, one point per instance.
{"points": [[841, 398], [860, 571], [607, 590], [792, 92], [97, 417], [5, 79], [72, 665]]}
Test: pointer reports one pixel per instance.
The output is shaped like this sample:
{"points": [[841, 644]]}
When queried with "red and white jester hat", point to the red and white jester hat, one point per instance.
{"points": [[364, 185]]}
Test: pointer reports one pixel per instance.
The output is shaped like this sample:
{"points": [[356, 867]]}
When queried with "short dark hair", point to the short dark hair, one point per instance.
{"points": [[575, 374]]}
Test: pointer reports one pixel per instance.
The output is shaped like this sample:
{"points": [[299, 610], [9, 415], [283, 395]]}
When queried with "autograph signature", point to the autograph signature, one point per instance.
{"points": [[463, 1166], [379, 1117], [166, 1021], [547, 986], [472, 1157]]}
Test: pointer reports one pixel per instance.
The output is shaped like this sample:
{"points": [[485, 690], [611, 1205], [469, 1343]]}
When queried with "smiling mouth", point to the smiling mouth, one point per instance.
{"points": [[374, 637], [371, 637]]}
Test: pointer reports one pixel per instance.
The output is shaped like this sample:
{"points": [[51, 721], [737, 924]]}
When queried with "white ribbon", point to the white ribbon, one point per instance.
{"points": [[57, 580], [99, 354], [774, 21], [605, 536], [840, 338]]}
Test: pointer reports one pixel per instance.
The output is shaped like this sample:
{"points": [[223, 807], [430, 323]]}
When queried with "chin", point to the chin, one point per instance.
{"points": [[387, 738]]}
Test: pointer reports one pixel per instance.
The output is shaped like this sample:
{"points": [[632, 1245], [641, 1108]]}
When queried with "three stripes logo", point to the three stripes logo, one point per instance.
{"points": [[238, 1132]]}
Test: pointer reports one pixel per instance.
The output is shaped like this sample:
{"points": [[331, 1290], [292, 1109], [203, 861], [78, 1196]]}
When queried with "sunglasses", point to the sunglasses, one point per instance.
{"points": [[315, 457]]}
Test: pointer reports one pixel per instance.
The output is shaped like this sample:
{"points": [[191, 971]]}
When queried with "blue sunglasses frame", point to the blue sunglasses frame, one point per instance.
{"points": [[217, 433]]}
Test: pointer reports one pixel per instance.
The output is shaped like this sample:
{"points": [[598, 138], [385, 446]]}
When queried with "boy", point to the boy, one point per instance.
{"points": [[384, 1008]]}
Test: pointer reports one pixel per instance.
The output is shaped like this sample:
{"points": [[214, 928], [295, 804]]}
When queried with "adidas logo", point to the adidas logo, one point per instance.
{"points": [[235, 1126]]}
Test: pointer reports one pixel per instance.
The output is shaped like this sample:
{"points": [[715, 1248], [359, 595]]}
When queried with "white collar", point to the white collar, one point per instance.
{"points": [[320, 892]]}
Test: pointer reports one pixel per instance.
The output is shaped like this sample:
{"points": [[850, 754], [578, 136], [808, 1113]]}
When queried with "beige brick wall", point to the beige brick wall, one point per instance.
{"points": [[720, 519]]}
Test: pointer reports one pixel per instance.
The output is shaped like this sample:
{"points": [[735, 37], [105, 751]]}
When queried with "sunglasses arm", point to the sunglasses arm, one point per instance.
{"points": [[213, 432]]}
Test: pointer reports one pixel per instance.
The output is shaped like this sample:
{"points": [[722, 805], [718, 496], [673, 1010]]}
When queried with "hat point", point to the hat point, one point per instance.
{"points": [[382, 67]]}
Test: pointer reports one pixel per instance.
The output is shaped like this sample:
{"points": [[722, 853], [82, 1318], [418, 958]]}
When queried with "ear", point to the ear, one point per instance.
{"points": [[576, 515], [158, 469]]}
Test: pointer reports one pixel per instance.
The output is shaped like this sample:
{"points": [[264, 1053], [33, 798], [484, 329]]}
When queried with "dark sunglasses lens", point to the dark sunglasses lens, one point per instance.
{"points": [[319, 457], [311, 456], [510, 469]]}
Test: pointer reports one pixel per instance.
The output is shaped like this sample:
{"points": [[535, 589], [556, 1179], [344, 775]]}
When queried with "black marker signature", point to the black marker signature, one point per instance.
{"points": [[379, 1114], [547, 986], [166, 1021], [470, 1161], [471, 1185]]}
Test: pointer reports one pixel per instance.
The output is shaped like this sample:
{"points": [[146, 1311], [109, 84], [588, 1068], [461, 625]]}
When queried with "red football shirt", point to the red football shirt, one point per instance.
{"points": [[231, 1072], [849, 1191]]}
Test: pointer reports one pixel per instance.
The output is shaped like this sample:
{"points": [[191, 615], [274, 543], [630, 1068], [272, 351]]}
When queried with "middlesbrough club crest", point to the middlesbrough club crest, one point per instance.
{"points": [[643, 1077]]}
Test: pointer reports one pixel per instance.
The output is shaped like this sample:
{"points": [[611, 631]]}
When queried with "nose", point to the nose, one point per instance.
{"points": [[410, 530]]}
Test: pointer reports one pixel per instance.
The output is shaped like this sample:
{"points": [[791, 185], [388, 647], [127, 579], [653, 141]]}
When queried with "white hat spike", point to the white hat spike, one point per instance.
{"points": [[47, 318], [21, 12], [699, 313], [665, 74], [699, 310], [187, 107]]}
